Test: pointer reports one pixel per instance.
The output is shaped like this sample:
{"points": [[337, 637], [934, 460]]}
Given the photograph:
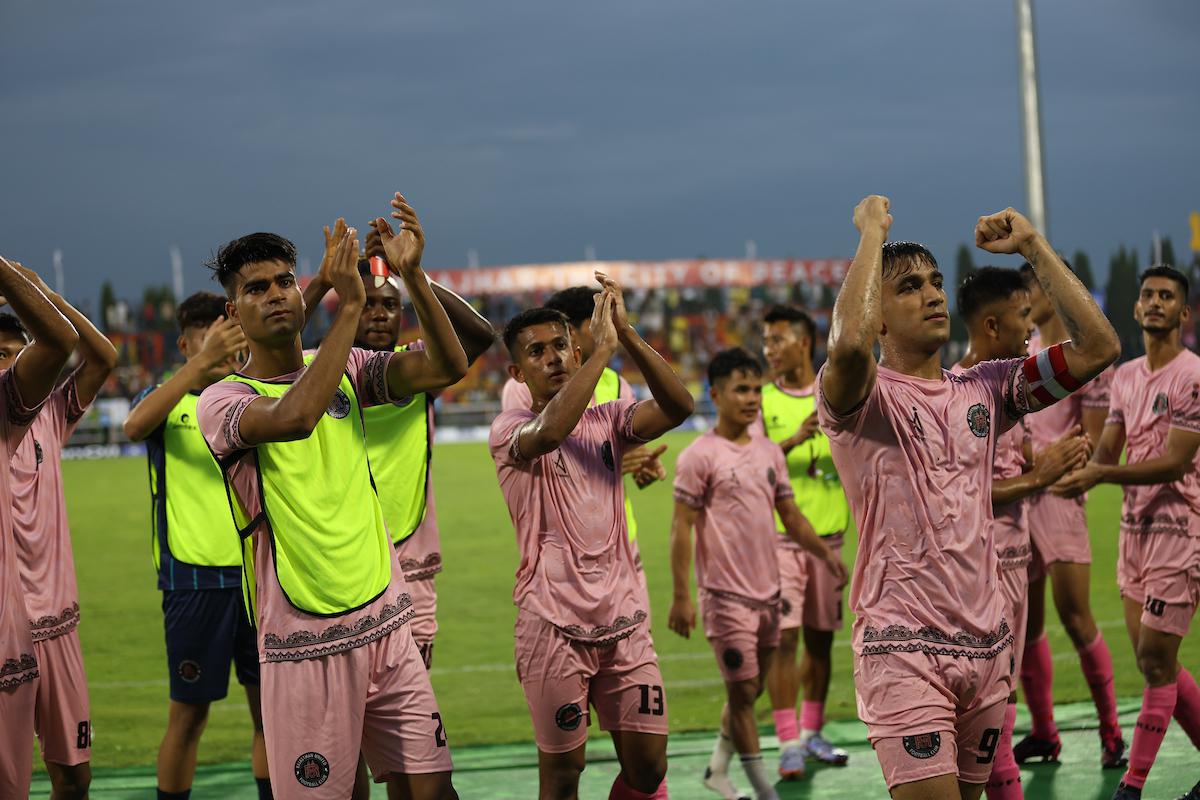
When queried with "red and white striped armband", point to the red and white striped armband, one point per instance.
{"points": [[1047, 376]]}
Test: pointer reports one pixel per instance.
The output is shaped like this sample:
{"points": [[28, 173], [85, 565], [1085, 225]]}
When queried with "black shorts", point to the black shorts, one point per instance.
{"points": [[206, 629]]}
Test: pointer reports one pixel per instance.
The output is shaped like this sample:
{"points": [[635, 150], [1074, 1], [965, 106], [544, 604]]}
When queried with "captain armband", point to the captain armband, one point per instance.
{"points": [[1047, 376]]}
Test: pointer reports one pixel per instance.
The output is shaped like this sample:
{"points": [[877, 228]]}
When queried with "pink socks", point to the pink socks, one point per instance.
{"points": [[785, 725], [623, 791], [812, 716], [1158, 702], [1098, 672], [1187, 706], [1005, 783], [1037, 681]]}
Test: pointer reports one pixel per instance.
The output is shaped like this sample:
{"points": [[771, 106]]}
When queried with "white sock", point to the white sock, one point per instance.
{"points": [[763, 788], [722, 754], [789, 744], [806, 734]]}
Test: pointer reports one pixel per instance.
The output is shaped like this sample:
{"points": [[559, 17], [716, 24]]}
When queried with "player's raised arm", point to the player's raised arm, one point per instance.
{"points": [[682, 618], [54, 338], [97, 354], [320, 285], [671, 402], [443, 361], [471, 328], [857, 314], [545, 432], [1061, 368], [801, 531], [297, 412], [222, 343]]}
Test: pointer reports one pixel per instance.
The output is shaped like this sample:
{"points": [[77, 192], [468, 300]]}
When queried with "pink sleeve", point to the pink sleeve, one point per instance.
{"points": [[17, 417], [834, 423], [1116, 403], [72, 410], [515, 395], [368, 372], [783, 486], [502, 439], [1097, 392], [691, 478], [1006, 382], [219, 414], [623, 411], [1185, 403]]}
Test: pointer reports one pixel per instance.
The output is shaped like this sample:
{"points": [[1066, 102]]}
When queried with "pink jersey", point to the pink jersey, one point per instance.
{"points": [[17, 661], [1148, 404], [516, 394], [286, 633], [1052, 423], [735, 488], [46, 561], [916, 462], [577, 567], [1011, 520]]}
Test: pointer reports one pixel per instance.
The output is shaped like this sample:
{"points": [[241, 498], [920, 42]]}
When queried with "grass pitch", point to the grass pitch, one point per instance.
{"points": [[473, 673]]}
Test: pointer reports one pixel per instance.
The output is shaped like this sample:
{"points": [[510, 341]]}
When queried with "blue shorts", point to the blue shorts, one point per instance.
{"points": [[206, 630]]}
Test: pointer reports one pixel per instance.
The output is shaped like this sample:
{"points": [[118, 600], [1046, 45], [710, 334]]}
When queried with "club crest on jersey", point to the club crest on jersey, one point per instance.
{"points": [[568, 717], [733, 658], [1160, 404], [980, 420], [312, 770], [339, 406], [606, 453], [923, 745]]}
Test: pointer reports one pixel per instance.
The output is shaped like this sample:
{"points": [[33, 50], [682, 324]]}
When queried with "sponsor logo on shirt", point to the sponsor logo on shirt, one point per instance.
{"points": [[339, 406], [980, 420], [312, 770], [1160, 403], [923, 745]]}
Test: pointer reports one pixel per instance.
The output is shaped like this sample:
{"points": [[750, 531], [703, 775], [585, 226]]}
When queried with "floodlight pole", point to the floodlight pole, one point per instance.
{"points": [[1031, 123]]}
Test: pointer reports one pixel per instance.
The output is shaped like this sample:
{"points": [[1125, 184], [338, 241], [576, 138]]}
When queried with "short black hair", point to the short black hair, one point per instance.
{"points": [[199, 311], [1164, 271], [727, 362], [250, 249], [795, 316], [900, 258], [9, 324], [529, 318], [577, 304], [987, 285]]}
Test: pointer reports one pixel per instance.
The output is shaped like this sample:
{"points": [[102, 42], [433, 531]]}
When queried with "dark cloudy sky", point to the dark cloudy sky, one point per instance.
{"points": [[527, 131]]}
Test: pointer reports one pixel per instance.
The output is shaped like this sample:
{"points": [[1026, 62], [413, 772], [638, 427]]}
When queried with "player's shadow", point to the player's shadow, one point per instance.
{"points": [[806, 787], [1044, 781]]}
